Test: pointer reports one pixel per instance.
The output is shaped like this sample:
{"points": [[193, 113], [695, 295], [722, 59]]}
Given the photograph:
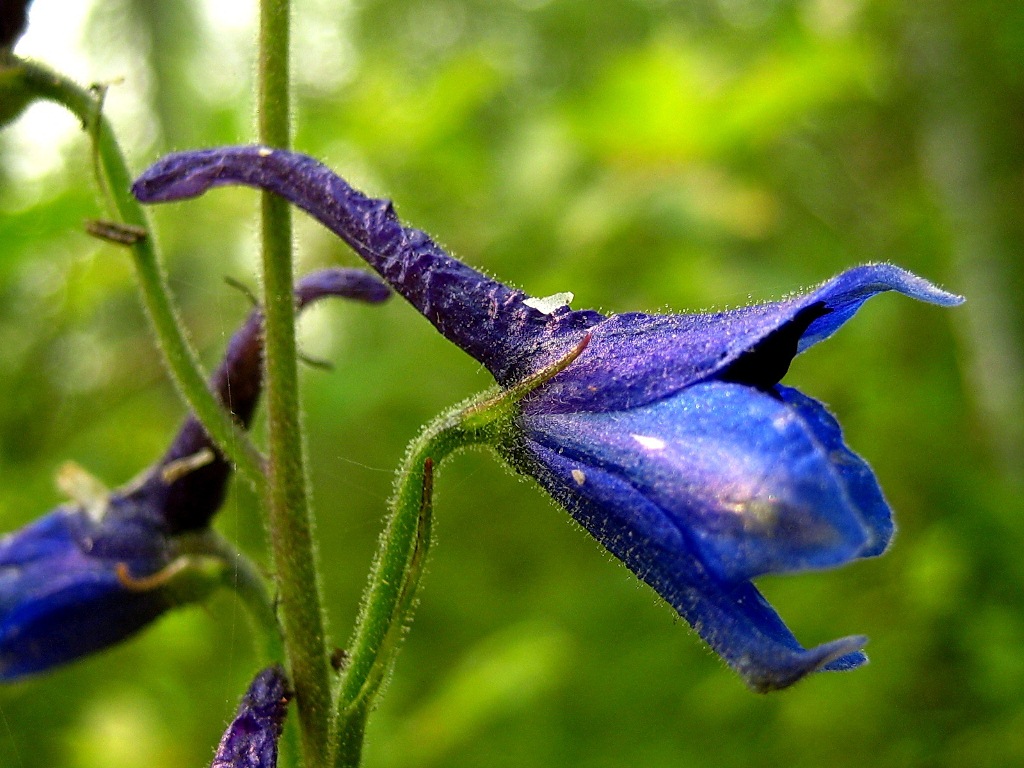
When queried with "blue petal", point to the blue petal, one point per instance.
{"points": [[733, 618], [856, 476], [82, 618], [844, 294], [741, 472], [60, 600], [634, 359], [48, 536]]}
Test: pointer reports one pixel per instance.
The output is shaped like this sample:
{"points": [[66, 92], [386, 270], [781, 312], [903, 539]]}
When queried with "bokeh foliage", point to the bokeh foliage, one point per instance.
{"points": [[644, 155]]}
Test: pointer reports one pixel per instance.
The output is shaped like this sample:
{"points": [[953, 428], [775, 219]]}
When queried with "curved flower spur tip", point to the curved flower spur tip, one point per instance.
{"points": [[250, 740], [844, 294], [731, 617], [187, 486], [636, 358], [863, 281]]}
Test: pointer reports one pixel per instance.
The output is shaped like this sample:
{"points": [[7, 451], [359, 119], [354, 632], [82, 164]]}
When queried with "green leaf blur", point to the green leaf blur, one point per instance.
{"points": [[643, 155]]}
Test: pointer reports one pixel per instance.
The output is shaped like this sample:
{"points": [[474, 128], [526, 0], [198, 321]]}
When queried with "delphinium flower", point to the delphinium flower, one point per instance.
{"points": [[668, 437], [250, 740], [94, 571]]}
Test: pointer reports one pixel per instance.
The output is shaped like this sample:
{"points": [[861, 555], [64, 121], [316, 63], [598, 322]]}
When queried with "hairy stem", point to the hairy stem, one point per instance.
{"points": [[390, 594], [402, 552], [181, 359], [287, 498]]}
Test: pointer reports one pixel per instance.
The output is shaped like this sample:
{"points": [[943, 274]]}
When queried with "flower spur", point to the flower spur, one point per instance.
{"points": [[669, 438]]}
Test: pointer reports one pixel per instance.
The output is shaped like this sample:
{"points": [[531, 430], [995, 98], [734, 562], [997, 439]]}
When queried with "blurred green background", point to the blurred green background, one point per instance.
{"points": [[643, 154]]}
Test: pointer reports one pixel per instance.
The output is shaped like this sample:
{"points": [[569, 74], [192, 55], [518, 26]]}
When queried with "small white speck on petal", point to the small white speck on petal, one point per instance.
{"points": [[650, 443], [265, 152], [549, 304], [579, 476]]}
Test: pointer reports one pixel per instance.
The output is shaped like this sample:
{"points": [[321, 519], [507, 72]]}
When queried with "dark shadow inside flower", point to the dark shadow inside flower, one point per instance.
{"points": [[763, 365]]}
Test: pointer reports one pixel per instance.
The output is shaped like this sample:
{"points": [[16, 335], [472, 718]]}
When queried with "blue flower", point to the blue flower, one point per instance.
{"points": [[91, 573], [250, 740], [669, 437], [61, 593]]}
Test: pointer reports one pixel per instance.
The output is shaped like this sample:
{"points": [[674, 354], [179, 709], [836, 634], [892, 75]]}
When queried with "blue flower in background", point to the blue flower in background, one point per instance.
{"points": [[669, 437], [91, 573], [250, 740], [62, 595]]}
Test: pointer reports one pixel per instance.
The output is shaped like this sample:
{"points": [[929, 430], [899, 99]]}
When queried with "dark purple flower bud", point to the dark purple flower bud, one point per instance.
{"points": [[190, 501], [91, 573], [250, 740], [669, 438]]}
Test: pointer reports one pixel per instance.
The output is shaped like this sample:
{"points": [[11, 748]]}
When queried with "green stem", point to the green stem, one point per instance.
{"points": [[392, 587], [387, 603], [351, 734], [287, 501], [251, 588], [180, 357]]}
